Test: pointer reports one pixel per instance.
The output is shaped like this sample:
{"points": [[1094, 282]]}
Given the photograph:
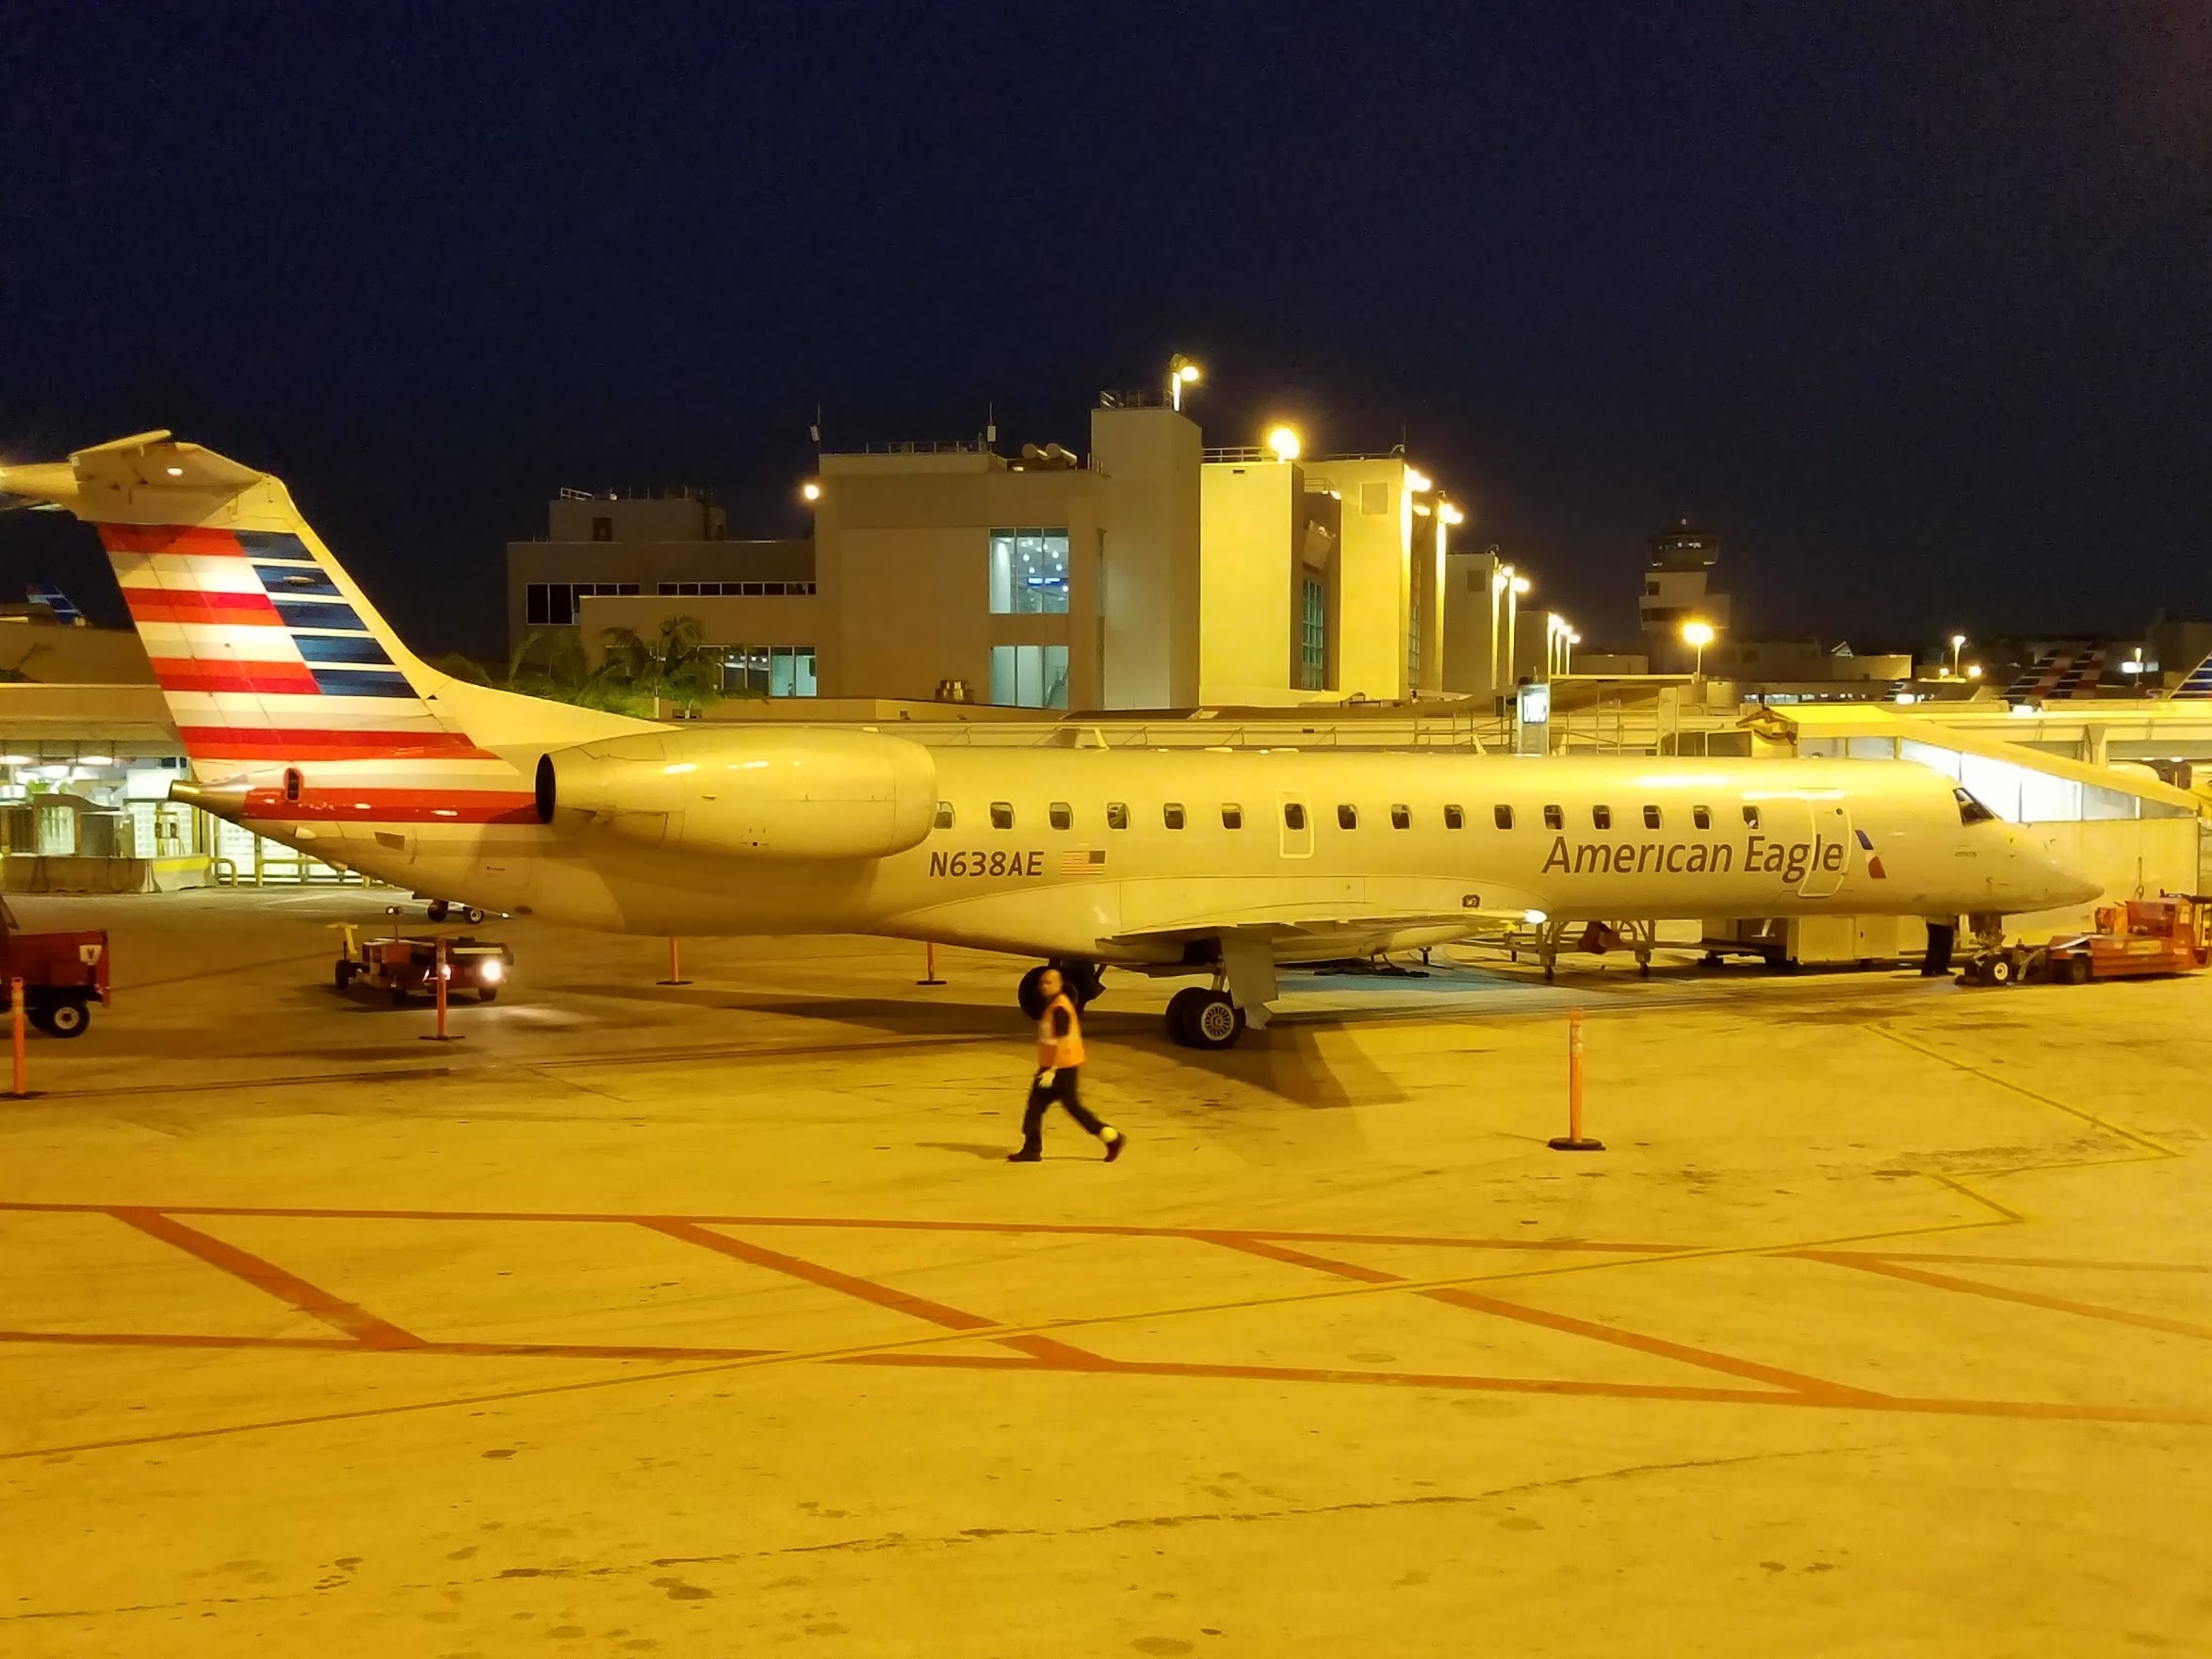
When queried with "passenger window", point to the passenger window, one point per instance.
{"points": [[1401, 817], [1554, 819], [1232, 816], [1118, 815], [1971, 811], [1455, 817], [1295, 815], [1172, 815], [1060, 814], [944, 815], [1502, 817], [1347, 817], [1702, 817], [1602, 818], [1001, 815], [1751, 818], [1650, 817]]}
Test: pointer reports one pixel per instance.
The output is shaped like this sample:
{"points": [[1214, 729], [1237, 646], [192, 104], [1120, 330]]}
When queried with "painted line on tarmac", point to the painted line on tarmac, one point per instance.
{"points": [[1945, 1281], [2149, 1142], [1103, 1229], [1659, 1347], [864, 1289], [311, 1299]]}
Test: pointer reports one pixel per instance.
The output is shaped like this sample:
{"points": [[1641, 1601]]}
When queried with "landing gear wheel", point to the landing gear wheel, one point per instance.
{"points": [[1215, 1021], [68, 1018], [472, 915], [343, 975], [2077, 970], [438, 910], [1085, 981], [1998, 970], [1178, 1013], [1031, 993]]}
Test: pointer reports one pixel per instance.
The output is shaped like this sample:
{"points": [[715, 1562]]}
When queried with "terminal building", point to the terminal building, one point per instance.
{"points": [[1146, 572]]}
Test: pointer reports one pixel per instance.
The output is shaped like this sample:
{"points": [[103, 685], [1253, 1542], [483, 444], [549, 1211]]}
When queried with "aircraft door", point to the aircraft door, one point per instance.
{"points": [[1832, 849], [1296, 818]]}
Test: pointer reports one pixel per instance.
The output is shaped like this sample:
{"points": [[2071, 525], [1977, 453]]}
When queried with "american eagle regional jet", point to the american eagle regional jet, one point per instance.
{"points": [[305, 719]]}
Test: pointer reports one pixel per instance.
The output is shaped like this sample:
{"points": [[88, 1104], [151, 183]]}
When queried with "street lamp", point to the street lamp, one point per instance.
{"points": [[1698, 635], [1417, 480], [1283, 440], [1522, 584], [1957, 641], [1181, 372], [1450, 513], [810, 491]]}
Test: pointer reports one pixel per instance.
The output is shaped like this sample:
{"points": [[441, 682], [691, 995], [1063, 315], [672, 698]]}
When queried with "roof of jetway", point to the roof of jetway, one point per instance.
{"points": [[1875, 720]]}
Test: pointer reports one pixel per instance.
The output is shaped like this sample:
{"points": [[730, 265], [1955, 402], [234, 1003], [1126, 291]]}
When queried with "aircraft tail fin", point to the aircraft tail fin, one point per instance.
{"points": [[265, 650]]}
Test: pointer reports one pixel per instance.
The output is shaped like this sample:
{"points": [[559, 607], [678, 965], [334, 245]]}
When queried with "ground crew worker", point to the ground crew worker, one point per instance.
{"points": [[1060, 1057]]}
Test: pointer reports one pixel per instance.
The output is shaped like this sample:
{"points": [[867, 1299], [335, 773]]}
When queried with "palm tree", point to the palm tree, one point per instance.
{"points": [[672, 666]]}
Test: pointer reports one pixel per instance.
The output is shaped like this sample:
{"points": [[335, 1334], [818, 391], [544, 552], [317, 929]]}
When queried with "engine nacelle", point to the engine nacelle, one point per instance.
{"points": [[750, 793]]}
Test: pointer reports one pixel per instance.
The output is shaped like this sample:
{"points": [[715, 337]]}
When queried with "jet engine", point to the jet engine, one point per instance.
{"points": [[748, 794]]}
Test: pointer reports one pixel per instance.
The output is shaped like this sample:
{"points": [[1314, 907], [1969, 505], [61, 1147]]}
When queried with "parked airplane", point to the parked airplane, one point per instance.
{"points": [[305, 719]]}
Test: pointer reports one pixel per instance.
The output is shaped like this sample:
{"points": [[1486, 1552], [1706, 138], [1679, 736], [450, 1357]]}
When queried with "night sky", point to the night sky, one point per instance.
{"points": [[1909, 303]]}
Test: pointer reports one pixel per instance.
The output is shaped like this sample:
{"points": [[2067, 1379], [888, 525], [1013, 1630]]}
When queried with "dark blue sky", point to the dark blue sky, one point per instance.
{"points": [[1909, 302]]}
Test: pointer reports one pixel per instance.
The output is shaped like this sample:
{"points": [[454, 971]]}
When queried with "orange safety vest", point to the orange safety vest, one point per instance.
{"points": [[1060, 1052]]}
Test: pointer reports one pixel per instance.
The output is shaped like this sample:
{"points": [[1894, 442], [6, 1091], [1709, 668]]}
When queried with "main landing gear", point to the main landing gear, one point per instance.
{"points": [[1085, 983], [1201, 1017]]}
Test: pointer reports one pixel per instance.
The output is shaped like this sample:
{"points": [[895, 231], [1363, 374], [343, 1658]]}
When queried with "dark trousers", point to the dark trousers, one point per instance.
{"points": [[1041, 1095]]}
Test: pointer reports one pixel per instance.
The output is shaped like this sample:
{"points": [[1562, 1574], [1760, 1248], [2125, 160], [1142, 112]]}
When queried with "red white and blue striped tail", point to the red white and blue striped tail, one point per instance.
{"points": [[266, 652]]}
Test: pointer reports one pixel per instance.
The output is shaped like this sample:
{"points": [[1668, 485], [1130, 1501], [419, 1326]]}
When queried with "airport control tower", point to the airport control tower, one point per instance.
{"points": [[1678, 588]]}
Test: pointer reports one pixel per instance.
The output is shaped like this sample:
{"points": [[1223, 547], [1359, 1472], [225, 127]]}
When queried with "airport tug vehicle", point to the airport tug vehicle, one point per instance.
{"points": [[2171, 934], [407, 965], [63, 975]]}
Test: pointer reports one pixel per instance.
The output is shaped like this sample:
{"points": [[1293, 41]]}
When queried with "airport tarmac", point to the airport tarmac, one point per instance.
{"points": [[708, 1319]]}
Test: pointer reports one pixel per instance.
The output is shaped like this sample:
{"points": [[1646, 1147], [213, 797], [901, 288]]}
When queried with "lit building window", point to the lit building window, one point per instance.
{"points": [[1029, 574], [767, 670], [1313, 637], [1029, 676]]}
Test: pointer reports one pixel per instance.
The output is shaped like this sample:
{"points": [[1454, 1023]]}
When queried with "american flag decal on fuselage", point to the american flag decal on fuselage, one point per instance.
{"points": [[1083, 861]]}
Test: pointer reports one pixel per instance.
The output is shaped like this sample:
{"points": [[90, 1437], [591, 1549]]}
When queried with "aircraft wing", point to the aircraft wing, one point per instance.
{"points": [[1318, 925]]}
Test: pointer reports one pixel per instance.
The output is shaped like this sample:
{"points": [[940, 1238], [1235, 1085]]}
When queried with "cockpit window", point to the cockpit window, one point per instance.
{"points": [[1971, 811]]}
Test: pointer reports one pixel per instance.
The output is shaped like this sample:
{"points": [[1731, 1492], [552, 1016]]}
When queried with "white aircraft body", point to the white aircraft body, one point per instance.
{"points": [[304, 718]]}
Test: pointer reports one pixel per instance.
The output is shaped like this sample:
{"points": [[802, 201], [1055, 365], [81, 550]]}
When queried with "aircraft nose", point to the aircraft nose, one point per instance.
{"points": [[2067, 884]]}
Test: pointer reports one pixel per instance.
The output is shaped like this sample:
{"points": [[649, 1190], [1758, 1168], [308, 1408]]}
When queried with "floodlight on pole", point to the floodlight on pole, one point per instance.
{"points": [[1450, 513], [1283, 440], [1522, 585], [1181, 372], [1698, 635], [1417, 480], [810, 491], [1958, 640]]}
